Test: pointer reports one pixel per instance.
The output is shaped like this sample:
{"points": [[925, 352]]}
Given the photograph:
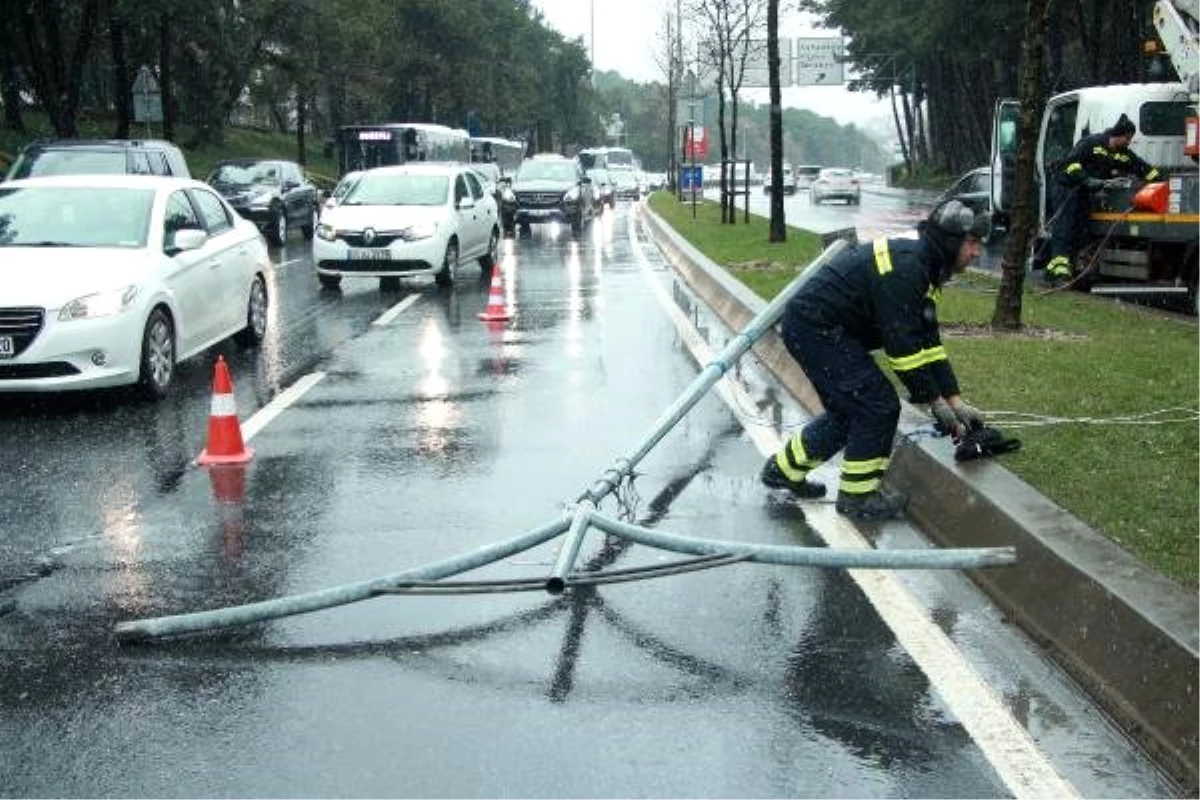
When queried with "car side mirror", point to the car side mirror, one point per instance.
{"points": [[586, 179], [466, 202], [186, 239], [290, 184]]}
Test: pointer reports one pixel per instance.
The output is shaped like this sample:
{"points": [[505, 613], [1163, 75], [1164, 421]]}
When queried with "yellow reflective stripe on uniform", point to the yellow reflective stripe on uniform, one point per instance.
{"points": [[883, 259], [865, 467], [1074, 166], [1099, 151], [919, 359], [793, 461], [860, 477], [1152, 174], [1120, 157]]}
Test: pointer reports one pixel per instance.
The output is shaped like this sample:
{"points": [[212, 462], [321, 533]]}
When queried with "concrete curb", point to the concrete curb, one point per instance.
{"points": [[1128, 635]]}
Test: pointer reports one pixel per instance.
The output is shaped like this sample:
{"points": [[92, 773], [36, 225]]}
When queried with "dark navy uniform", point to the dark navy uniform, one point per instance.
{"points": [[878, 295], [1092, 158]]}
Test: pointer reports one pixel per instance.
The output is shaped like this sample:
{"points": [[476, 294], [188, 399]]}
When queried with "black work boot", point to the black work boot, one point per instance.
{"points": [[805, 489], [871, 506]]}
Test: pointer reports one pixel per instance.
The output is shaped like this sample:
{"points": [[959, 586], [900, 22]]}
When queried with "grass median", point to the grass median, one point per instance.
{"points": [[1103, 395]]}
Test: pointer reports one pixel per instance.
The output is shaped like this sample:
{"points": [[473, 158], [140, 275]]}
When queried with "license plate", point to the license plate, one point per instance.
{"points": [[6, 347], [539, 212], [369, 254]]}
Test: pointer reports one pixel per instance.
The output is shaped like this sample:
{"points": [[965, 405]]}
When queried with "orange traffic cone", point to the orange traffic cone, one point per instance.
{"points": [[496, 310], [225, 444]]}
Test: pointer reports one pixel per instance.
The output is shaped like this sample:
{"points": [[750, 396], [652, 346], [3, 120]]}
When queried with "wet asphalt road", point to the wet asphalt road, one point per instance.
{"points": [[426, 436]]}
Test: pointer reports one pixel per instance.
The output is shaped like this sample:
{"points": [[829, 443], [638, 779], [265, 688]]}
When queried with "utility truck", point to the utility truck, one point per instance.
{"points": [[1140, 239]]}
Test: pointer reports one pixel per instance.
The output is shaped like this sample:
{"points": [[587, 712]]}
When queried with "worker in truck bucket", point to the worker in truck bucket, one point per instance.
{"points": [[1094, 159], [880, 294]]}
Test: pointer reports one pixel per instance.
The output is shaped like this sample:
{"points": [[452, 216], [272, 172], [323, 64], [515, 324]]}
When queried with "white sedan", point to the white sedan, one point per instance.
{"points": [[416, 219], [111, 280]]}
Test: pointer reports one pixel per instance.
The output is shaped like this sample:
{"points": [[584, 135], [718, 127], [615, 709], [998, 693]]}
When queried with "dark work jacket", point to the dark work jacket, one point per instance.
{"points": [[1092, 158], [883, 295]]}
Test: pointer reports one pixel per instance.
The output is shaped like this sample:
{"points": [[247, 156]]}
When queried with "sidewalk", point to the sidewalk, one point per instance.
{"points": [[1128, 635]]}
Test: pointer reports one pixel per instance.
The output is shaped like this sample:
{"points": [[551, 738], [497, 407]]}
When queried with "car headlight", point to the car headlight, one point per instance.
{"points": [[101, 304], [508, 196], [422, 230], [326, 232], [572, 195]]}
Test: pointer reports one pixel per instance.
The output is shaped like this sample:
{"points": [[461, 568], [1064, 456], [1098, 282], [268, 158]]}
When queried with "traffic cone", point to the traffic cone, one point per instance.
{"points": [[496, 310], [225, 444]]}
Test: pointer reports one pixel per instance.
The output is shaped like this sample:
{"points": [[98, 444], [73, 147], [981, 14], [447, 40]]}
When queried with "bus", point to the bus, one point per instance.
{"points": [[506, 154], [387, 144]]}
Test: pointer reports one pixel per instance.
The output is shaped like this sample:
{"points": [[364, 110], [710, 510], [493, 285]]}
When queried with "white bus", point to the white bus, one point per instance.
{"points": [[387, 144], [608, 158]]}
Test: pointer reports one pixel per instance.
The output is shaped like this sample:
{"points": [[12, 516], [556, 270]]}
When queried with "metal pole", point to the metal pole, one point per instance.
{"points": [[959, 558], [335, 596]]}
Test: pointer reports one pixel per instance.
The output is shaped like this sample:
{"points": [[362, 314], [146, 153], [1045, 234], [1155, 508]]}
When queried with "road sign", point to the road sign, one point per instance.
{"points": [[756, 74], [818, 62], [691, 176], [147, 99]]}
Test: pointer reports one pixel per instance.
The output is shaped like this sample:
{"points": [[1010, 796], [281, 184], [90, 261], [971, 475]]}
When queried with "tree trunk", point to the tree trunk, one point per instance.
{"points": [[122, 82], [778, 229], [1007, 313], [166, 80], [10, 93]]}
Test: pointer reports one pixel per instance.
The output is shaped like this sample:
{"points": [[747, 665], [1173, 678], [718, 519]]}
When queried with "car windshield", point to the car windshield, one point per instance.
{"points": [[248, 174], [346, 184], [69, 162], [837, 174], [74, 216], [546, 171], [398, 190]]}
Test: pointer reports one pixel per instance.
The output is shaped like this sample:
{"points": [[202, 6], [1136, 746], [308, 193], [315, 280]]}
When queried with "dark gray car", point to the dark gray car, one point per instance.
{"points": [[274, 195]]}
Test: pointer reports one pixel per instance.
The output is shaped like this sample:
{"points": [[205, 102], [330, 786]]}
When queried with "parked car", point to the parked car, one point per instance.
{"points": [[98, 157], [421, 218], [974, 189], [602, 187], [112, 280], [548, 188], [788, 181], [836, 183], [274, 195]]}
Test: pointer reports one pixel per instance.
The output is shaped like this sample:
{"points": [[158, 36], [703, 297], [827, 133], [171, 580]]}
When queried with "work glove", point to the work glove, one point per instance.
{"points": [[947, 420], [968, 415]]}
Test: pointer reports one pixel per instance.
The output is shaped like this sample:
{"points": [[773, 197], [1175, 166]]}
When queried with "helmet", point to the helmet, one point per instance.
{"points": [[956, 219]]}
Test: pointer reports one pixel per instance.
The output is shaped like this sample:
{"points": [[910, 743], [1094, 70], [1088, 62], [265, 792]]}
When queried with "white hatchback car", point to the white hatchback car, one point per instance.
{"points": [[111, 280], [415, 219]]}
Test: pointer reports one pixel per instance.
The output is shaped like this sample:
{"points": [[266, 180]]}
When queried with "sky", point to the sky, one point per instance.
{"points": [[626, 38]]}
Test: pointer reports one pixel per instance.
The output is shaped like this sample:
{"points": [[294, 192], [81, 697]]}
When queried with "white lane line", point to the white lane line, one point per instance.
{"points": [[277, 406], [291, 261], [1007, 746], [386, 317]]}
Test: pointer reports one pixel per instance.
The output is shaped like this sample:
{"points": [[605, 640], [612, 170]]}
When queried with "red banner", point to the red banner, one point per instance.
{"points": [[695, 142]]}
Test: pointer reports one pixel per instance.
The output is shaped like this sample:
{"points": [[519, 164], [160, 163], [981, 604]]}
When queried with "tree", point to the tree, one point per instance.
{"points": [[1007, 312], [778, 229]]}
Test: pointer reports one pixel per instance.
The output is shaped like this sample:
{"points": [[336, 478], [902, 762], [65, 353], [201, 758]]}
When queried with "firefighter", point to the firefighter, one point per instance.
{"points": [[1094, 160], [881, 294]]}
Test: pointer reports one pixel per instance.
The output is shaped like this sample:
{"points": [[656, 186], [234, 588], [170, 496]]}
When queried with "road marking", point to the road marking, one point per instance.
{"points": [[1007, 745], [290, 261], [279, 404], [386, 317]]}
